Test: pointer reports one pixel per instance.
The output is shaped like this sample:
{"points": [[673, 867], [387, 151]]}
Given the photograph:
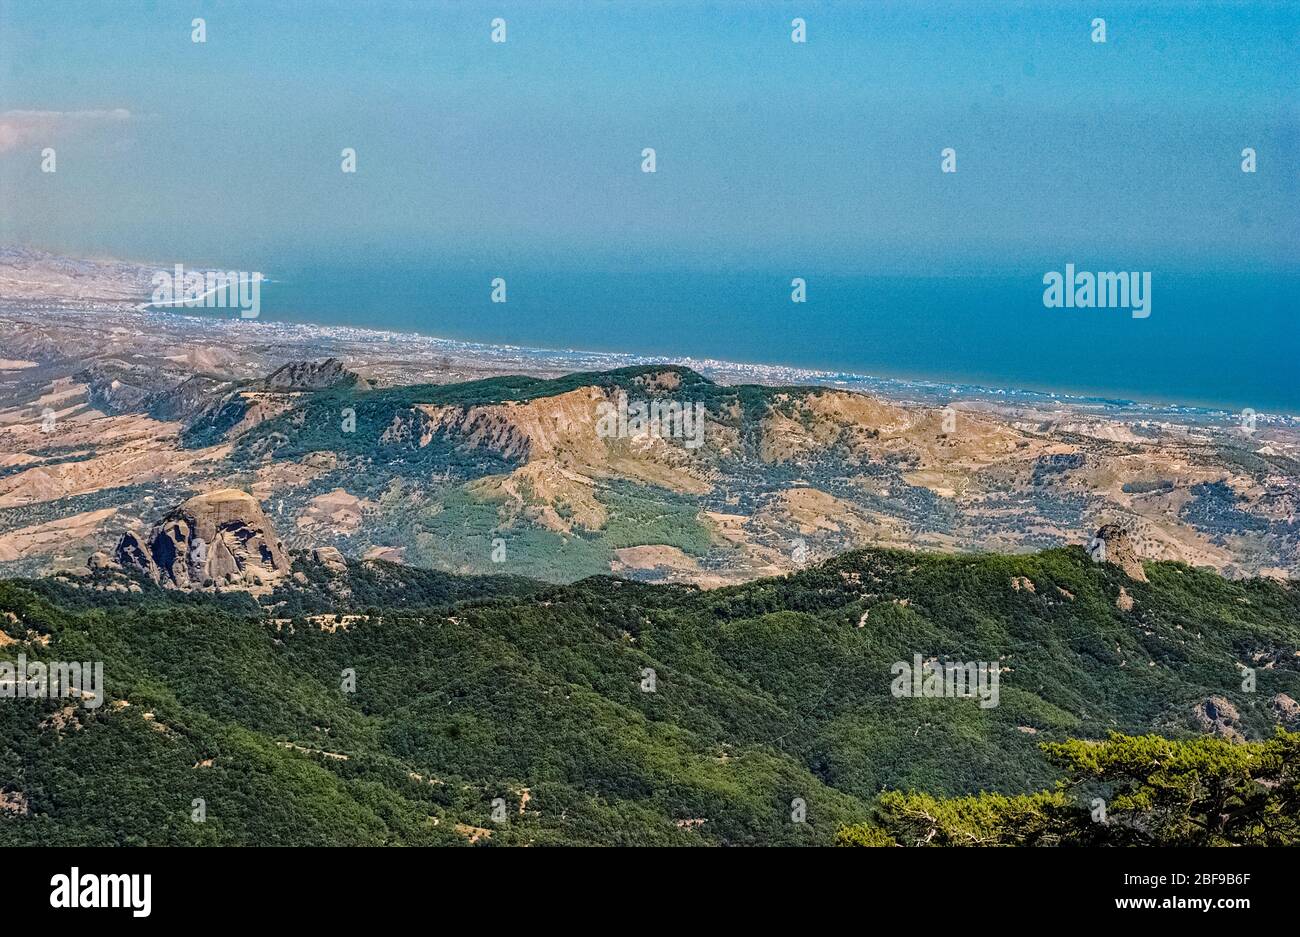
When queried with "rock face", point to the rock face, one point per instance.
{"points": [[336, 567], [220, 538], [1113, 544], [100, 560], [1285, 709], [309, 375], [331, 559], [117, 387], [1218, 716], [187, 399]]}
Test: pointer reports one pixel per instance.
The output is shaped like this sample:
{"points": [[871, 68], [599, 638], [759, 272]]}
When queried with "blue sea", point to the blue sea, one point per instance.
{"points": [[1224, 340]]}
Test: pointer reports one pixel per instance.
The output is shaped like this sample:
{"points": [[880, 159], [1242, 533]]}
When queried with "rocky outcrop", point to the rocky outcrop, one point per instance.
{"points": [[335, 566], [101, 560], [13, 804], [1285, 709], [331, 559], [188, 399], [1113, 544], [117, 387], [308, 375], [220, 538], [1218, 716], [216, 411]]}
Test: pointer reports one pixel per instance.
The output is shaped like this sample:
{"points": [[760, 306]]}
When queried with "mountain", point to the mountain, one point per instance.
{"points": [[218, 537], [380, 449], [778, 474], [309, 375], [370, 702]]}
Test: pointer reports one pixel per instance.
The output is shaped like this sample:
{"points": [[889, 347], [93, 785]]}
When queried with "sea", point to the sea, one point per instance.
{"points": [[1228, 341]]}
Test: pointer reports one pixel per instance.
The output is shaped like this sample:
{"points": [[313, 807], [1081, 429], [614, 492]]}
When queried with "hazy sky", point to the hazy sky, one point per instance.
{"points": [[822, 156]]}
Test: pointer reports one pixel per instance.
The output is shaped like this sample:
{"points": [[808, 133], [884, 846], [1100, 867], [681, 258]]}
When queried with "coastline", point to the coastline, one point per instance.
{"points": [[48, 285], [916, 391], [390, 344]]}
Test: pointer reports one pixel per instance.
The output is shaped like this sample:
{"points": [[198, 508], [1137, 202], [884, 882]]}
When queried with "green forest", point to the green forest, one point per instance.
{"points": [[395, 706]]}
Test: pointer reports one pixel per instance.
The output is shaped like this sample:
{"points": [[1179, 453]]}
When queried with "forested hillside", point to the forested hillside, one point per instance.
{"points": [[384, 705]]}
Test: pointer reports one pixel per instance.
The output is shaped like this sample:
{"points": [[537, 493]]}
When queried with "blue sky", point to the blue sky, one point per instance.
{"points": [[771, 155]]}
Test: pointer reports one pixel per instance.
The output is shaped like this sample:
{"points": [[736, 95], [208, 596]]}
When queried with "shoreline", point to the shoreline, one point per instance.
{"points": [[52, 284], [906, 390], [918, 391]]}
